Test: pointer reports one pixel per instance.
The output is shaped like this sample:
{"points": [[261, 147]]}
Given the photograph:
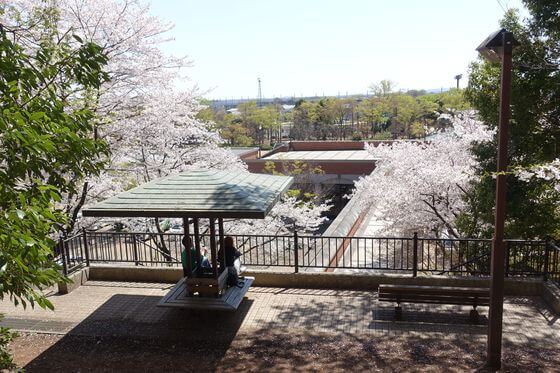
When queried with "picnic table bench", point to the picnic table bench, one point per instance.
{"points": [[435, 295], [230, 300]]}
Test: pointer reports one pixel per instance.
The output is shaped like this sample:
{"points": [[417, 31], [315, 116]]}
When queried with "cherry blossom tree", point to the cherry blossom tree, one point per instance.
{"points": [[549, 172], [149, 123], [287, 215], [422, 185]]}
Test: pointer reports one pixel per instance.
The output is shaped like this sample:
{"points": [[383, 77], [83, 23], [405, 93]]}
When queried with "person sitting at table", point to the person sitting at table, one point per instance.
{"points": [[231, 254], [187, 243], [204, 261]]}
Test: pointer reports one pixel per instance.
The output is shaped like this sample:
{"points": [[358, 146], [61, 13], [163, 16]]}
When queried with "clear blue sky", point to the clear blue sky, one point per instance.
{"points": [[308, 47]]}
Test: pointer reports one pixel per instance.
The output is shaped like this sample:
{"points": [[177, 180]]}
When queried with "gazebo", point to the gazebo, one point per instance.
{"points": [[195, 195]]}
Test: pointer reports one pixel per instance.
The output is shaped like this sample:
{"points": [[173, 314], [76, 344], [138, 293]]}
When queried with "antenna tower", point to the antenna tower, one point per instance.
{"points": [[259, 97]]}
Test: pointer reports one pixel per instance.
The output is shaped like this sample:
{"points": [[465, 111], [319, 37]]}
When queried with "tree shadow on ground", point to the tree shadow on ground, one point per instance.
{"points": [[264, 350], [129, 333], [448, 342]]}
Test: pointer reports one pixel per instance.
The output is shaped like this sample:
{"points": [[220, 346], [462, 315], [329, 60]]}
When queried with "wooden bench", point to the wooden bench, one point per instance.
{"points": [[229, 300], [436, 295], [207, 286]]}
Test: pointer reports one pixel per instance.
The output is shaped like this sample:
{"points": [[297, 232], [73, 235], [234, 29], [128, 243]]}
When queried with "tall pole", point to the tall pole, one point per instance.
{"points": [[494, 358], [187, 270], [457, 78], [259, 97]]}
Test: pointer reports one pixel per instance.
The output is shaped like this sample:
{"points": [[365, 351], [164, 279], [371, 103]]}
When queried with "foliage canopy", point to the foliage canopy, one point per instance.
{"points": [[46, 141], [534, 131]]}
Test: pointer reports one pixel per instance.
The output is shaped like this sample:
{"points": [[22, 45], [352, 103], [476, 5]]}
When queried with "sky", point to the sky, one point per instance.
{"points": [[324, 47]]}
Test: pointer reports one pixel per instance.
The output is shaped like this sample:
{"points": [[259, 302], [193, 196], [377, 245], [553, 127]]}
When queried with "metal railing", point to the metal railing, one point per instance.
{"points": [[300, 252], [552, 262], [73, 253]]}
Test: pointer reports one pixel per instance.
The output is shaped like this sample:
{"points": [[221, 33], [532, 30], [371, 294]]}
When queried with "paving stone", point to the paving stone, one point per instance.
{"points": [[130, 309]]}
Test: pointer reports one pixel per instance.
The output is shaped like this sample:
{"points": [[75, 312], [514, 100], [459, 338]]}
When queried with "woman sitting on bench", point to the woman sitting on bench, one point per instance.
{"points": [[231, 255], [204, 262]]}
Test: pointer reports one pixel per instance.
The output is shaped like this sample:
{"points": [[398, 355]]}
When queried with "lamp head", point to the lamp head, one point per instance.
{"points": [[493, 47]]}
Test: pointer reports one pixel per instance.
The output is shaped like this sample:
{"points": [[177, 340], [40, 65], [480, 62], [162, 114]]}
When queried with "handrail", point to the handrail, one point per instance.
{"points": [[433, 255], [464, 263], [317, 236], [66, 239], [158, 250], [181, 234]]}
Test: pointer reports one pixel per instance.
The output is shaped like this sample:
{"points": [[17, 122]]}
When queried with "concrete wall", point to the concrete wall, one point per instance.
{"points": [[329, 167], [551, 295], [372, 282], [279, 149], [75, 280], [318, 280], [346, 219], [130, 273], [346, 224], [549, 292], [250, 154], [332, 145]]}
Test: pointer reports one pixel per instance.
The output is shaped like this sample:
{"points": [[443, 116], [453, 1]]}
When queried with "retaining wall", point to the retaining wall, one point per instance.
{"points": [[549, 292], [521, 287], [551, 295]]}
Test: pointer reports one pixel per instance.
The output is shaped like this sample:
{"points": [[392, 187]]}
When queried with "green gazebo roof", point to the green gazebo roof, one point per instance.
{"points": [[198, 194]]}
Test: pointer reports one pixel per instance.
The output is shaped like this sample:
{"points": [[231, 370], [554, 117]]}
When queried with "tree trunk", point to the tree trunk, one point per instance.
{"points": [[162, 246]]}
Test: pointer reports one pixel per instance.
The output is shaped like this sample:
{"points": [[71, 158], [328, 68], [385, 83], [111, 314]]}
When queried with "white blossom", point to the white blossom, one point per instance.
{"points": [[287, 215], [549, 172], [419, 186], [149, 123]]}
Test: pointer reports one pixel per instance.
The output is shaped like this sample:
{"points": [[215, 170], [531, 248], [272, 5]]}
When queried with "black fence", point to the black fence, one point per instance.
{"points": [[72, 253], [299, 252], [552, 263]]}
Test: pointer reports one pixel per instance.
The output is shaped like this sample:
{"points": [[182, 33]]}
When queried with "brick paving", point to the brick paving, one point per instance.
{"points": [[119, 308]]}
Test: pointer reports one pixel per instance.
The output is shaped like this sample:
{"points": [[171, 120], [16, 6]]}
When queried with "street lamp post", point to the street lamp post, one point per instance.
{"points": [[498, 46], [457, 78]]}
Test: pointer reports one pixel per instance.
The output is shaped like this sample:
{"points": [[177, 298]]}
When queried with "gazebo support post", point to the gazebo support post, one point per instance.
{"points": [[213, 250], [222, 241], [187, 270], [196, 244]]}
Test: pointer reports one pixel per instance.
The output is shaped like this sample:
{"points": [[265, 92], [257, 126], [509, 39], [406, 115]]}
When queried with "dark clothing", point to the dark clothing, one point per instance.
{"points": [[193, 258], [231, 254]]}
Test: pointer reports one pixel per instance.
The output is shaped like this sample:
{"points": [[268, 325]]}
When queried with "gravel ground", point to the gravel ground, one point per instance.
{"points": [[263, 350]]}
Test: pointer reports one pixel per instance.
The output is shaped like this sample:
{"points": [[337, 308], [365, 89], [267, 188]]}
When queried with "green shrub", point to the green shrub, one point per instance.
{"points": [[6, 336]]}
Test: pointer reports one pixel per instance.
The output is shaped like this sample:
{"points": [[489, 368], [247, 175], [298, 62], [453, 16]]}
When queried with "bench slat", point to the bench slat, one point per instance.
{"points": [[434, 294], [411, 298], [393, 286], [437, 293], [450, 303], [432, 290]]}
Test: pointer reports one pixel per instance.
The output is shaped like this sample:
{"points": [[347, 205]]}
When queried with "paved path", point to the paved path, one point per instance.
{"points": [[129, 309]]}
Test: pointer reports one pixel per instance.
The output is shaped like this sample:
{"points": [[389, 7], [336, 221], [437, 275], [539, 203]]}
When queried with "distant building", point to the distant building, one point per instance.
{"points": [[245, 153], [341, 162]]}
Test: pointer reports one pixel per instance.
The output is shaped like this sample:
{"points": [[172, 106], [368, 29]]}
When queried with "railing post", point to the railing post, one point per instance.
{"points": [[508, 245], [415, 254], [546, 255], [63, 253], [296, 252], [86, 247], [135, 249]]}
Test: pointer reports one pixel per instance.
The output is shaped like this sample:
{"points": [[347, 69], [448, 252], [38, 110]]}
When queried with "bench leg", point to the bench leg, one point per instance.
{"points": [[398, 313], [474, 316]]}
